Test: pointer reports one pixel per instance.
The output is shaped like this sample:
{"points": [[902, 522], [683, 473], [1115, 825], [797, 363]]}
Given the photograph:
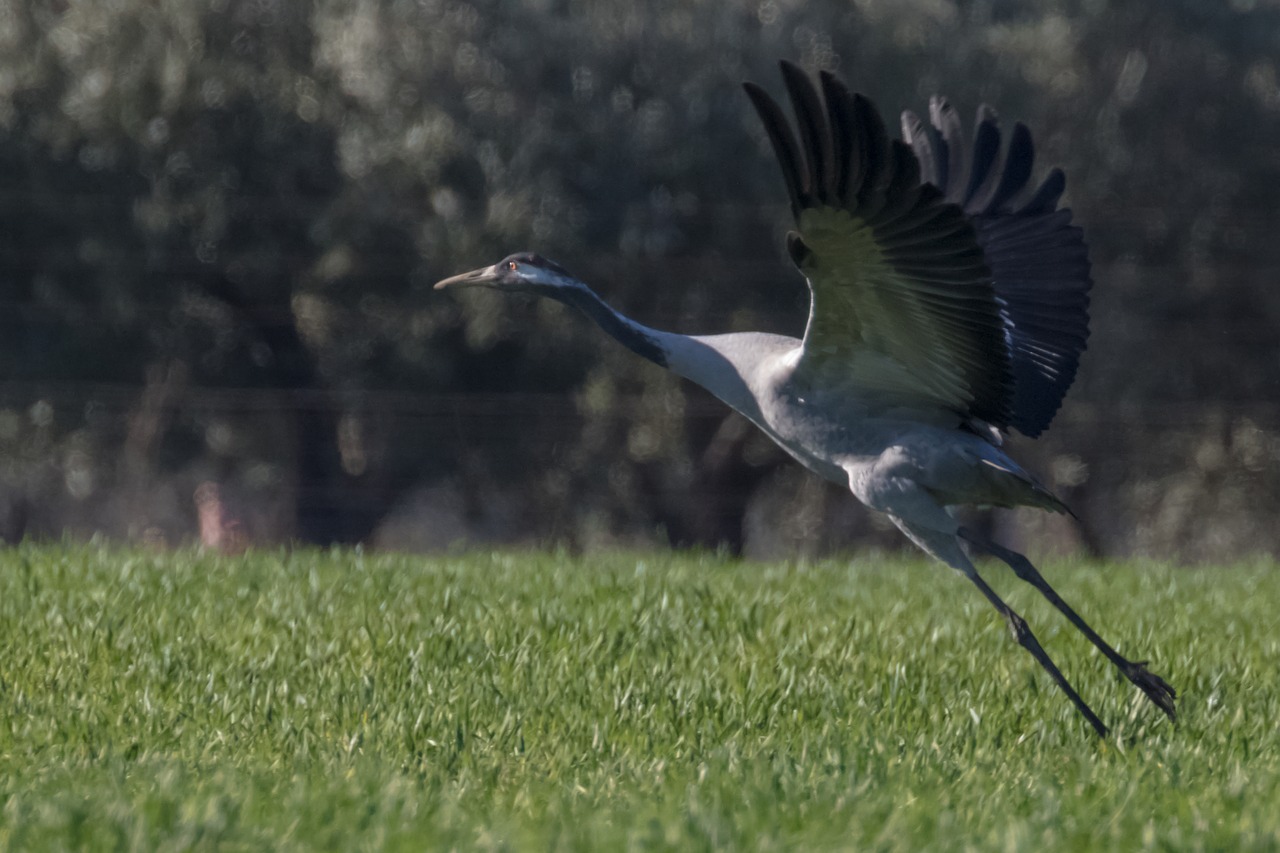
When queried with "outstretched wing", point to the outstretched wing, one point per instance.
{"points": [[903, 313], [1038, 259]]}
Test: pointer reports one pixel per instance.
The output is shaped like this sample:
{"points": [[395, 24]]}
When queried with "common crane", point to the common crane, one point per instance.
{"points": [[949, 306]]}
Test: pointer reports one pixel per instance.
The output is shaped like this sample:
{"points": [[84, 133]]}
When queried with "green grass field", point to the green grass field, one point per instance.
{"points": [[333, 700]]}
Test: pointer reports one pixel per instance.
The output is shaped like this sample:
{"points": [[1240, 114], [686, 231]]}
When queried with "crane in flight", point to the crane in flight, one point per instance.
{"points": [[949, 306]]}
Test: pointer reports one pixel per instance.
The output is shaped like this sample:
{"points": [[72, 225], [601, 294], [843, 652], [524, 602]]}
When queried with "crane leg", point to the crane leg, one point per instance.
{"points": [[944, 545], [1155, 687], [1021, 633]]}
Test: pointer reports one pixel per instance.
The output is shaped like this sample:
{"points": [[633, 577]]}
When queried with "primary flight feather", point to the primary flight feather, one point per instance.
{"points": [[949, 305]]}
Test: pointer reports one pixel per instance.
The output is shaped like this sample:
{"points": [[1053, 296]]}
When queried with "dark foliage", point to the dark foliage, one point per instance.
{"points": [[218, 221]]}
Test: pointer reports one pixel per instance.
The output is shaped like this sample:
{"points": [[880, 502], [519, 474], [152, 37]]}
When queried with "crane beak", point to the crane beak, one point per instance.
{"points": [[482, 276]]}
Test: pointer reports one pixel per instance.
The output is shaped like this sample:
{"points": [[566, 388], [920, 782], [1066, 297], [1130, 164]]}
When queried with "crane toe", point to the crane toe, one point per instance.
{"points": [[1157, 689]]}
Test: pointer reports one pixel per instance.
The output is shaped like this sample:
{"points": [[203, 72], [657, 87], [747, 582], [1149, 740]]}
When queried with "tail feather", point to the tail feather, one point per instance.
{"points": [[1018, 488]]}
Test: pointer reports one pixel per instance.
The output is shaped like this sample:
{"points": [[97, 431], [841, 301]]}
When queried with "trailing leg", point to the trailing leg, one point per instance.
{"points": [[946, 547], [1021, 633], [1156, 689]]}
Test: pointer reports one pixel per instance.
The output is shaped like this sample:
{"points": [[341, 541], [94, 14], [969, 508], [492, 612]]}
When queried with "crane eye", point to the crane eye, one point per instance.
{"points": [[512, 265]]}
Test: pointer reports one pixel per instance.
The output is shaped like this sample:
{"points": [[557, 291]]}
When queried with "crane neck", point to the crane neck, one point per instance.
{"points": [[722, 364], [640, 339]]}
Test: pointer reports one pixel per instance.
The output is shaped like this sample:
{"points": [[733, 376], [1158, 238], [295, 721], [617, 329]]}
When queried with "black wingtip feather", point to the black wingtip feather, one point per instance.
{"points": [[903, 188], [946, 121], [986, 147], [1045, 199], [873, 144], [1015, 170], [840, 117], [784, 143], [815, 138], [916, 136]]}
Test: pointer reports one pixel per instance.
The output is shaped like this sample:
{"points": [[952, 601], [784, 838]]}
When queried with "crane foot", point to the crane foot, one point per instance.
{"points": [[1157, 689]]}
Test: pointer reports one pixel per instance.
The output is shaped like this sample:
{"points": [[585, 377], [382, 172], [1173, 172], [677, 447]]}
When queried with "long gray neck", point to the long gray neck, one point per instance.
{"points": [[719, 363], [639, 339]]}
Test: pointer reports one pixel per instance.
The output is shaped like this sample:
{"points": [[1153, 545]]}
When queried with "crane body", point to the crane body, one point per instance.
{"points": [[949, 306]]}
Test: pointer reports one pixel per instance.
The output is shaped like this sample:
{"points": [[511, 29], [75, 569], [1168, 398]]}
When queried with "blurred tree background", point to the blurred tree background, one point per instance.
{"points": [[219, 222]]}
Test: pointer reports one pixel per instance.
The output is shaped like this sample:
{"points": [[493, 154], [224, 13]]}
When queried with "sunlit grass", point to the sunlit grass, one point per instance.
{"points": [[341, 701]]}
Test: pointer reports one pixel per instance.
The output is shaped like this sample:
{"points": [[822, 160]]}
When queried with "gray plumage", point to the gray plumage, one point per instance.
{"points": [[949, 305]]}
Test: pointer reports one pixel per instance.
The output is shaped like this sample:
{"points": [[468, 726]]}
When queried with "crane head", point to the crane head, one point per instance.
{"points": [[522, 272]]}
